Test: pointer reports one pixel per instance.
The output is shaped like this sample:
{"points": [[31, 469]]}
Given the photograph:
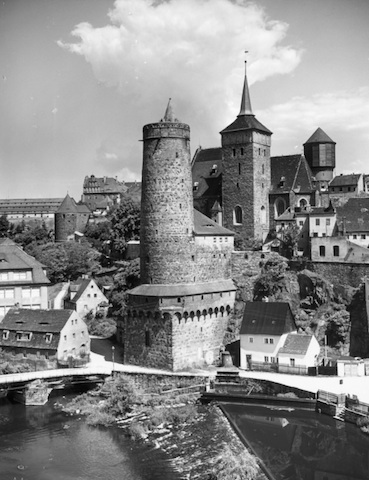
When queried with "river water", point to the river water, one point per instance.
{"points": [[301, 445], [42, 443]]}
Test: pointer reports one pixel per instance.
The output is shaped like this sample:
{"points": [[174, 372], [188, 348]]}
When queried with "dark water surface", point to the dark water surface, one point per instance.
{"points": [[42, 443], [298, 445]]}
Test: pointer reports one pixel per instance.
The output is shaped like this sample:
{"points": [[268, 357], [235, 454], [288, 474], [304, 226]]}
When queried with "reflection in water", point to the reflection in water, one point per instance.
{"points": [[303, 445], [40, 443]]}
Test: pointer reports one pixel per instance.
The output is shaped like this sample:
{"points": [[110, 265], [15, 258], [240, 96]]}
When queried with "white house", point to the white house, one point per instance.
{"points": [[85, 296], [298, 351], [269, 338], [264, 329]]}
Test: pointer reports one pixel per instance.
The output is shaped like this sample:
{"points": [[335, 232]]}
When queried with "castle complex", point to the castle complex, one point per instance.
{"points": [[177, 317]]}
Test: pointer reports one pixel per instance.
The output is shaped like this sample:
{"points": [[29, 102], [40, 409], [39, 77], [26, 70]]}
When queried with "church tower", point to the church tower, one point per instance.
{"points": [[167, 203], [246, 173]]}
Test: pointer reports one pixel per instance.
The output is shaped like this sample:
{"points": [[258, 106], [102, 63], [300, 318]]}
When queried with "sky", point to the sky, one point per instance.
{"points": [[80, 78]]}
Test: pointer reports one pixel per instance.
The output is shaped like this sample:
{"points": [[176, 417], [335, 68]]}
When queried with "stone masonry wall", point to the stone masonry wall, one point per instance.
{"points": [[212, 262], [65, 224], [167, 245]]}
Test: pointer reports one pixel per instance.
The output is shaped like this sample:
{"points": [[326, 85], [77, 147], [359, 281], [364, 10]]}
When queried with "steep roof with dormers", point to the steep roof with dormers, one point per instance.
{"points": [[267, 318], [207, 180], [13, 258], [290, 172], [345, 180], [204, 226]]}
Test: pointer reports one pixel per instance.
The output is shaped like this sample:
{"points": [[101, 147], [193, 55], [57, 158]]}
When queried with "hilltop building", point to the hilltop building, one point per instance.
{"points": [[70, 218], [101, 194], [23, 280], [178, 316], [30, 210]]}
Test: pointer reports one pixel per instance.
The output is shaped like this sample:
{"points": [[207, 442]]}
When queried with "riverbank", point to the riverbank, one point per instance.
{"points": [[197, 439]]}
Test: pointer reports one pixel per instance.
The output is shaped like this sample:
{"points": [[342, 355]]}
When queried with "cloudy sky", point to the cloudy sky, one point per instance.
{"points": [[79, 79]]}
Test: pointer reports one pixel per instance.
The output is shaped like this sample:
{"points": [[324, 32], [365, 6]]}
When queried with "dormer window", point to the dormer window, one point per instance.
{"points": [[24, 336], [5, 334], [282, 181], [214, 169], [48, 337], [195, 186]]}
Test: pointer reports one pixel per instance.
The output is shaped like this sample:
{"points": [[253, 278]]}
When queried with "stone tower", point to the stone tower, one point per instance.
{"points": [[246, 173], [320, 153], [167, 203], [66, 219]]}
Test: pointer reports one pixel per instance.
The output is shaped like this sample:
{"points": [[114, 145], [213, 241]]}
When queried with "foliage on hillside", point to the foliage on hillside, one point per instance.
{"points": [[67, 261], [127, 278]]}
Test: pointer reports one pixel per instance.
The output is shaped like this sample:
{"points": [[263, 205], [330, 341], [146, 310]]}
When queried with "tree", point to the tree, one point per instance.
{"points": [[125, 225], [30, 237], [128, 277], [4, 226], [67, 261], [290, 239], [272, 279], [99, 234]]}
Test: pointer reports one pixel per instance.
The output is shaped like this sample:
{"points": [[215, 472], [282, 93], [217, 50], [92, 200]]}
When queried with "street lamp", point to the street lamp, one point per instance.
{"points": [[112, 356]]}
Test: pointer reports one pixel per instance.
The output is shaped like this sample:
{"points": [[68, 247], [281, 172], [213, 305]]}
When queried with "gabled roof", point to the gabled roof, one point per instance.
{"points": [[267, 318], [209, 181], [79, 286], [290, 172], [24, 319], [355, 213], [345, 180], [14, 258], [203, 226], [296, 344], [319, 136]]}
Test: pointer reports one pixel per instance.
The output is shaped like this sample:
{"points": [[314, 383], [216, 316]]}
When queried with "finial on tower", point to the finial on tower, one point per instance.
{"points": [[169, 116], [245, 102]]}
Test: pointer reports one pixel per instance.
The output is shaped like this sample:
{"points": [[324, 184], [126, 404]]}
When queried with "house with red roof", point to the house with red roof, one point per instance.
{"points": [[23, 280], [59, 337]]}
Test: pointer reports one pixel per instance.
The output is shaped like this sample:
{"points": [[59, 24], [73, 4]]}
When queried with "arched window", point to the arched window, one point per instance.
{"points": [[263, 216], [279, 207], [237, 215], [303, 203]]}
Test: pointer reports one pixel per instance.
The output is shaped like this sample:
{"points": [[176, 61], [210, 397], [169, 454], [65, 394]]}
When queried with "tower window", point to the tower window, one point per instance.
{"points": [[241, 151], [147, 339], [262, 169], [237, 215], [239, 169], [234, 152]]}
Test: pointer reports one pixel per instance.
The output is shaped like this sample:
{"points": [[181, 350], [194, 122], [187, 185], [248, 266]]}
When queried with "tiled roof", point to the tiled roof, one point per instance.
{"points": [[29, 205], [103, 185], [296, 344], [209, 181], [80, 286], [68, 205], [180, 290], [290, 172], [319, 136], [355, 212], [14, 258], [54, 290], [267, 318], [345, 180], [203, 225], [246, 122], [24, 319]]}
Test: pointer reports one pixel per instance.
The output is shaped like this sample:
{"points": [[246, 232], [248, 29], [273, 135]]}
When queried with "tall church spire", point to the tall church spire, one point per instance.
{"points": [[245, 102]]}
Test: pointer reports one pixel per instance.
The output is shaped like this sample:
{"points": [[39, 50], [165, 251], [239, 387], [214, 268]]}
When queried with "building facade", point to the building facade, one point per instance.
{"points": [[23, 280]]}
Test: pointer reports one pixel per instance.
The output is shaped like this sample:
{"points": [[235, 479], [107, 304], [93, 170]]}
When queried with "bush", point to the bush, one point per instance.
{"points": [[137, 431]]}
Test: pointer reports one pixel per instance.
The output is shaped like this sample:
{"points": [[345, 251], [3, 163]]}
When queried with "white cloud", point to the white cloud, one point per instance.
{"points": [[190, 50], [128, 175]]}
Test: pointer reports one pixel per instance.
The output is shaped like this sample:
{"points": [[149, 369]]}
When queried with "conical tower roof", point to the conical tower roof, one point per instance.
{"points": [[68, 205], [319, 136], [246, 119], [245, 102], [169, 115]]}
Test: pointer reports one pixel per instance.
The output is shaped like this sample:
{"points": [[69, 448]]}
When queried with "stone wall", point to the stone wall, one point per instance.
{"points": [[246, 182], [212, 262], [65, 224], [340, 273], [167, 246]]}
